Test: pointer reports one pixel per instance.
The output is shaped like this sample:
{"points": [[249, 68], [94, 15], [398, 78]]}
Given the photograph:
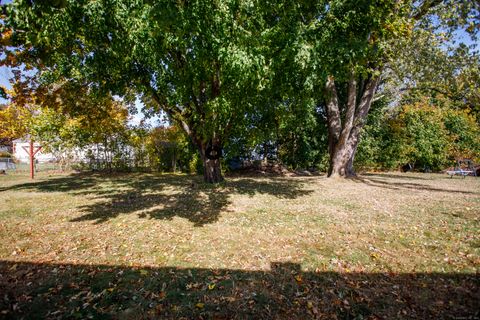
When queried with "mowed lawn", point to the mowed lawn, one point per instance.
{"points": [[130, 246]]}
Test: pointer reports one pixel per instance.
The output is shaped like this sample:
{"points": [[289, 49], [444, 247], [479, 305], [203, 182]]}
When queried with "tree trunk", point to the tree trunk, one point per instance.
{"points": [[350, 171], [174, 160], [342, 166], [333, 119], [343, 139], [212, 170]]}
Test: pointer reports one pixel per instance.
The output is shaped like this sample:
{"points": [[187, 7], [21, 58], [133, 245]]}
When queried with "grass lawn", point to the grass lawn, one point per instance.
{"points": [[130, 246]]}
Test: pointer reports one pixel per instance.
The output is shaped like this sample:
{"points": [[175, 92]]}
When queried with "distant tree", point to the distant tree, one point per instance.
{"points": [[165, 146], [50, 115], [429, 133], [436, 64], [12, 122], [63, 128], [17, 114]]}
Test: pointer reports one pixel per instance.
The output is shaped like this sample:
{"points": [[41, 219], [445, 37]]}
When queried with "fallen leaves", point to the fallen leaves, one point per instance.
{"points": [[98, 291], [363, 252]]}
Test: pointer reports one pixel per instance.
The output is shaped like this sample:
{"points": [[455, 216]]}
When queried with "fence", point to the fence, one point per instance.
{"points": [[128, 164], [9, 164], [125, 164]]}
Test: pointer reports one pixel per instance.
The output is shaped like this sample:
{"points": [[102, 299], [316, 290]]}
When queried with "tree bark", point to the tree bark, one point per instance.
{"points": [[343, 140], [350, 170], [212, 169], [333, 120], [342, 166], [174, 159]]}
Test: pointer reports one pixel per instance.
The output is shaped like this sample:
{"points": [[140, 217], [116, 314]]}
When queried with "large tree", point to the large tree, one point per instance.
{"points": [[349, 46], [199, 61]]}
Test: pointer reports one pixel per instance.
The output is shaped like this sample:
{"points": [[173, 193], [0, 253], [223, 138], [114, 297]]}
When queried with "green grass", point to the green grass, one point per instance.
{"points": [[148, 245]]}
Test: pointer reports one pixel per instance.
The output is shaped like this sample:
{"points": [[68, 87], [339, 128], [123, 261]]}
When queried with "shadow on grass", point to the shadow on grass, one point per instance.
{"points": [[160, 196], [73, 182], [398, 175], [66, 291], [391, 182]]}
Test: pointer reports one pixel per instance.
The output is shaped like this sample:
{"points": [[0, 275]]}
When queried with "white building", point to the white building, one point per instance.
{"points": [[21, 149]]}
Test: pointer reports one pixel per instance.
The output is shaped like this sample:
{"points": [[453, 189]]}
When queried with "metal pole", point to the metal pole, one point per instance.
{"points": [[32, 174]]}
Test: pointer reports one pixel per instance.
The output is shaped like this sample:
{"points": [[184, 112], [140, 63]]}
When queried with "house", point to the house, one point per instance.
{"points": [[21, 150]]}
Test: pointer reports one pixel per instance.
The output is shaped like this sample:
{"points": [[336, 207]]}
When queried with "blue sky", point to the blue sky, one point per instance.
{"points": [[5, 74]]}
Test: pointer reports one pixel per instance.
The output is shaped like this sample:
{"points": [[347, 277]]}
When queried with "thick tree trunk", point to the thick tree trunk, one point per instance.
{"points": [[343, 140], [343, 166], [350, 171], [212, 169], [334, 121]]}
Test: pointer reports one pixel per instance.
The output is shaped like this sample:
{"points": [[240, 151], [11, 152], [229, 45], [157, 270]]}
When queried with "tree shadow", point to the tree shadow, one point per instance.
{"points": [[161, 196], [399, 175], [61, 291], [386, 181], [70, 183]]}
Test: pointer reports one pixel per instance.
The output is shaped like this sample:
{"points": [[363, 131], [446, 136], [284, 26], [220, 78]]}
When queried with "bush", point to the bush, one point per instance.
{"points": [[423, 134]]}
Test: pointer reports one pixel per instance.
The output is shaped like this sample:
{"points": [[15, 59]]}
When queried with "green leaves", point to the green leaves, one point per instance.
{"points": [[423, 133]]}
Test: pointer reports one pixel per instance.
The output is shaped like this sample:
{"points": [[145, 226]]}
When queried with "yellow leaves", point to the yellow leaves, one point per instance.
{"points": [[298, 278], [374, 255], [144, 272], [200, 305], [3, 92], [471, 27], [211, 286], [14, 121], [6, 36]]}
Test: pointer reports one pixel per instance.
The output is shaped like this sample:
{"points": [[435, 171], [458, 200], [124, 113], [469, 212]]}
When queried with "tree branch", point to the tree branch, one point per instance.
{"points": [[424, 8]]}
